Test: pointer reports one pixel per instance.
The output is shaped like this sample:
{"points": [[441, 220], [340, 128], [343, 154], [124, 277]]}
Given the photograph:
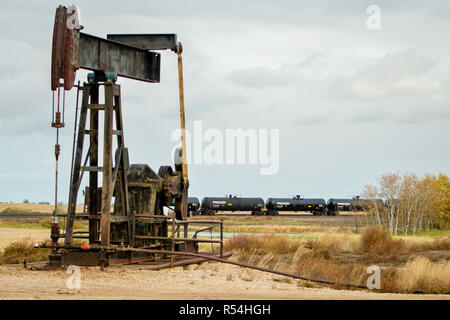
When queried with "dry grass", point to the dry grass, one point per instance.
{"points": [[322, 258], [17, 251], [424, 276], [437, 244], [304, 225], [40, 223], [378, 244], [269, 243], [33, 208]]}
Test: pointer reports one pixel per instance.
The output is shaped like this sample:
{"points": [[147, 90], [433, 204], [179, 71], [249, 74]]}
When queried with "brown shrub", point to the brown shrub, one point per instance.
{"points": [[266, 243], [17, 251], [377, 243], [323, 248]]}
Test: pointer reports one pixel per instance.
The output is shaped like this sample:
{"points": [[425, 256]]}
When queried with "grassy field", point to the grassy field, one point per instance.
{"points": [[340, 250], [333, 248], [39, 224], [406, 267], [32, 208]]}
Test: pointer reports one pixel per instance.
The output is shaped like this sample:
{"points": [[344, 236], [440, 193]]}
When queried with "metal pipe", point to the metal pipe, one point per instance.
{"points": [[179, 239], [199, 221], [173, 240], [221, 239], [202, 230], [177, 264], [240, 264]]}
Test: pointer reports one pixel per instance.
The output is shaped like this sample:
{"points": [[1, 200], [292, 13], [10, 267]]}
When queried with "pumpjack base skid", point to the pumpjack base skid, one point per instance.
{"points": [[109, 258]]}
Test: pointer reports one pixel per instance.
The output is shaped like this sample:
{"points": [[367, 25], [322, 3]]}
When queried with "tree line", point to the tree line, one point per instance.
{"points": [[411, 203]]}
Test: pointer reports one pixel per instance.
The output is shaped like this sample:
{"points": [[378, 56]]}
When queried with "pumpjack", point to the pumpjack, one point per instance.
{"points": [[125, 207]]}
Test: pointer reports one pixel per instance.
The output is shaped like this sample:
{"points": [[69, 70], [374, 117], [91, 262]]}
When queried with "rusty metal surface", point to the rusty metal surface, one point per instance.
{"points": [[99, 54], [147, 41], [70, 65], [130, 223], [57, 46], [82, 258], [64, 51], [139, 193], [72, 50]]}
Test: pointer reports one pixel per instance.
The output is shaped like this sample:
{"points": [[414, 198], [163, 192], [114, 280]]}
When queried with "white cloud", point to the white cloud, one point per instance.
{"points": [[313, 70], [399, 73], [259, 77]]}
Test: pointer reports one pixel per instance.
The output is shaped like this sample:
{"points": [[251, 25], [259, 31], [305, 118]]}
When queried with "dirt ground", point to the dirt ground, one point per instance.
{"points": [[197, 282]]}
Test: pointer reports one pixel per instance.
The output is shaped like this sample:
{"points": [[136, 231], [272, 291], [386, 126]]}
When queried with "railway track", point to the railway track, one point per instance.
{"points": [[278, 216], [25, 215]]}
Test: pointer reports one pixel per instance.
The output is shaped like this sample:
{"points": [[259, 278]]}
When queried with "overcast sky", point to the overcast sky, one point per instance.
{"points": [[351, 103]]}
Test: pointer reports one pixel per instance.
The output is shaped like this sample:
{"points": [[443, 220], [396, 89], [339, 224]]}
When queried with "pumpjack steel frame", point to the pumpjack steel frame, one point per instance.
{"points": [[136, 219], [111, 175]]}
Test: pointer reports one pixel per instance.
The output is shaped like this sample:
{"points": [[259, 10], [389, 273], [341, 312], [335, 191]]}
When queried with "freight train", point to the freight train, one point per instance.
{"points": [[272, 207], [193, 205], [315, 206], [355, 204], [210, 205]]}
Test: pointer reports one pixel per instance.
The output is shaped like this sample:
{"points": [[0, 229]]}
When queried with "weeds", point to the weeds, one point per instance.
{"points": [[322, 259], [39, 223], [421, 275], [377, 243], [17, 251], [269, 243], [15, 210]]}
